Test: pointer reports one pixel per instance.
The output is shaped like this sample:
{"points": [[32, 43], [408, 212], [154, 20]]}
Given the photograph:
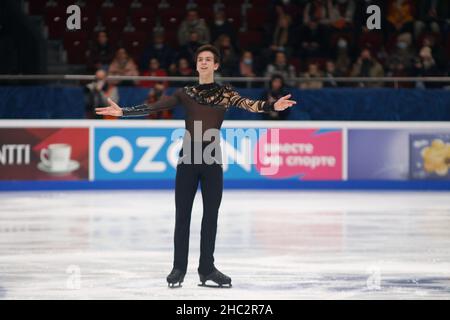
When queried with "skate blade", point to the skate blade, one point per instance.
{"points": [[224, 286], [174, 286]]}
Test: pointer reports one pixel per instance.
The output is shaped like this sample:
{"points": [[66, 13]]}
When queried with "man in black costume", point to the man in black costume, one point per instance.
{"points": [[205, 105]]}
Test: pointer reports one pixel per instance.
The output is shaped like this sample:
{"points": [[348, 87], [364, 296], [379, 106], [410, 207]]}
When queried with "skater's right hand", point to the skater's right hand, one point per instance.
{"points": [[112, 110]]}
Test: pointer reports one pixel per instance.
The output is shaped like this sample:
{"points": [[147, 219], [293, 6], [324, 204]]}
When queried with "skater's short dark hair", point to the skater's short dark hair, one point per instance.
{"points": [[210, 48]]}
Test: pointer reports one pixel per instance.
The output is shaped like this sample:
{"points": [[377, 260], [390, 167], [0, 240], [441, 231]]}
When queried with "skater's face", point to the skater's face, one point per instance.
{"points": [[206, 64]]}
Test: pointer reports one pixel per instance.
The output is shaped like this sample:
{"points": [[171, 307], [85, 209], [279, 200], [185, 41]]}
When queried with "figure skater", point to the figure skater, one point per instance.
{"points": [[205, 105]]}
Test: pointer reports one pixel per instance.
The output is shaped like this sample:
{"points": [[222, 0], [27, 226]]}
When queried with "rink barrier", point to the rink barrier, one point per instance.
{"points": [[367, 185], [368, 155]]}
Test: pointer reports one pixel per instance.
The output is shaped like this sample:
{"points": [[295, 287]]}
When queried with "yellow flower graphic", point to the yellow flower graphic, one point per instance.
{"points": [[436, 157]]}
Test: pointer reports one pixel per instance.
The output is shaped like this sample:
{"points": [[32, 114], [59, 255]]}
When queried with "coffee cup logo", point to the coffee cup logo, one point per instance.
{"points": [[56, 159]]}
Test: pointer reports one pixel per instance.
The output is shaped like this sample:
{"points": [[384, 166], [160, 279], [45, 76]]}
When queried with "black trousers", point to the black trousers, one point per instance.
{"points": [[188, 176]]}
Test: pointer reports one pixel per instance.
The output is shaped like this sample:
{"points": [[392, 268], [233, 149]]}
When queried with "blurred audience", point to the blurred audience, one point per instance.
{"points": [[367, 66], [154, 95], [154, 70], [191, 23], [312, 72], [229, 63], [220, 26], [123, 65], [281, 67], [277, 89], [100, 52], [295, 35], [160, 50], [97, 94]]}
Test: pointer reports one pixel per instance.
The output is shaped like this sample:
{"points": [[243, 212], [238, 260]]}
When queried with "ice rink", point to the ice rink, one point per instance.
{"points": [[274, 245]]}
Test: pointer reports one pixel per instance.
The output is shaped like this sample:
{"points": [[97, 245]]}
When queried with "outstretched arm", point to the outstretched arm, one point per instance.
{"points": [[141, 110], [259, 105]]}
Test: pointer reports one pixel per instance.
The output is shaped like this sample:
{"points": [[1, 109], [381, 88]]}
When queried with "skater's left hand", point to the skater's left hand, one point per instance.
{"points": [[283, 103]]}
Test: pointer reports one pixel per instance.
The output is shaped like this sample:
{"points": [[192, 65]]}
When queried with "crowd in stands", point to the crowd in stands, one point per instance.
{"points": [[281, 39]]}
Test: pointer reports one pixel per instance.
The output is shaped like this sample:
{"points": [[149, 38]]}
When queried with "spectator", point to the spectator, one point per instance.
{"points": [[191, 23], [188, 50], [431, 16], [342, 57], [183, 70], [341, 14], [97, 93], [425, 66], [280, 66], [367, 66], [228, 65], [154, 70], [400, 62], [100, 53], [437, 51], [318, 11], [312, 41], [331, 72], [277, 89], [281, 37], [154, 94], [246, 65], [123, 65], [400, 16], [160, 50], [222, 26], [246, 68], [313, 72]]}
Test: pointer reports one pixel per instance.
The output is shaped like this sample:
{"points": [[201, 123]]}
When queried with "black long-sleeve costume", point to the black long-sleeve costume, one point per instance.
{"points": [[206, 103]]}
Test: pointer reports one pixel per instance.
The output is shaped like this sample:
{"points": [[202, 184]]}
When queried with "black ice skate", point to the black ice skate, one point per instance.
{"points": [[217, 277], [175, 276]]}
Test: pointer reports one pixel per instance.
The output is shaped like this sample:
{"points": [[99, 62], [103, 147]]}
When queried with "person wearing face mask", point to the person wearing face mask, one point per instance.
{"points": [[342, 57], [246, 65], [399, 63], [366, 66], [246, 68], [220, 26]]}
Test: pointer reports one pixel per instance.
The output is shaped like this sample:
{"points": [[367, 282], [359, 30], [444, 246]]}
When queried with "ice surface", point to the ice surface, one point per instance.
{"points": [[274, 245]]}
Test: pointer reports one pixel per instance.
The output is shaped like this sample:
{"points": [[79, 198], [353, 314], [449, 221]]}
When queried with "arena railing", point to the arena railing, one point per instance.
{"points": [[246, 80]]}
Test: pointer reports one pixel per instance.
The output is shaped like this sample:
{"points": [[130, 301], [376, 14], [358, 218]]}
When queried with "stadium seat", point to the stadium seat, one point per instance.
{"points": [[114, 19], [135, 42], [171, 18], [250, 39], [256, 18], [144, 19], [371, 39], [76, 44], [55, 20], [36, 7]]}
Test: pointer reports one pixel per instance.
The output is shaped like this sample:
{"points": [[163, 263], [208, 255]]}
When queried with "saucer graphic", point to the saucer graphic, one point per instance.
{"points": [[73, 165]]}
